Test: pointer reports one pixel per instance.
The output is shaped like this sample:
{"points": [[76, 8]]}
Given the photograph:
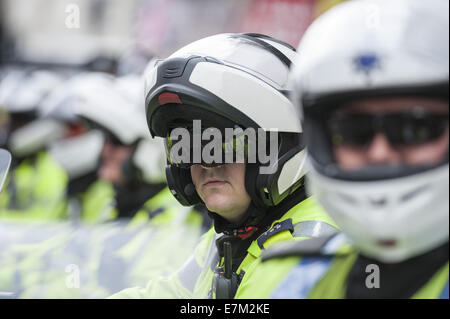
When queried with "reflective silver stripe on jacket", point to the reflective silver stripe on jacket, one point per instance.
{"points": [[190, 272], [213, 254], [313, 228]]}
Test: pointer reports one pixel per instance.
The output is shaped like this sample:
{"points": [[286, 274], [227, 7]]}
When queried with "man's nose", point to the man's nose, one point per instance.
{"points": [[381, 151], [107, 150]]}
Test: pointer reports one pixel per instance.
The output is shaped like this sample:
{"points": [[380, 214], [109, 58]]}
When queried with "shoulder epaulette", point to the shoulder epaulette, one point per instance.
{"points": [[278, 227], [307, 247]]}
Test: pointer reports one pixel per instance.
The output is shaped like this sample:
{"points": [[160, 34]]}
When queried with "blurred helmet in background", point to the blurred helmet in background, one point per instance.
{"points": [[22, 91], [110, 107], [78, 151]]}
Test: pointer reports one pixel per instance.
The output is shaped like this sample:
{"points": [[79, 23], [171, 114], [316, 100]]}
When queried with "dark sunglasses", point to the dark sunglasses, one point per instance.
{"points": [[401, 129]]}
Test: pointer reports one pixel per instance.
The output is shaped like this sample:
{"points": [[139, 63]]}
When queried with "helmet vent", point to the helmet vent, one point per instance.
{"points": [[173, 68], [346, 198], [378, 201], [173, 72], [412, 194]]}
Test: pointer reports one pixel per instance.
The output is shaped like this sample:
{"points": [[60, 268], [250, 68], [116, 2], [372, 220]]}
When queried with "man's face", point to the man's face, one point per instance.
{"points": [[222, 189], [387, 147], [112, 159]]}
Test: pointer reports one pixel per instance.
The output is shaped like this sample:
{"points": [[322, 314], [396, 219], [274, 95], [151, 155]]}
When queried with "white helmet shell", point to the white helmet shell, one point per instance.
{"points": [[22, 90], [150, 158], [66, 152], [230, 80], [117, 105], [359, 48], [375, 44], [410, 212], [248, 78], [110, 102]]}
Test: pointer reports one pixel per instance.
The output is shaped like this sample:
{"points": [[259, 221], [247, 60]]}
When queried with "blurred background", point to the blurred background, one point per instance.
{"points": [[85, 211], [76, 31]]}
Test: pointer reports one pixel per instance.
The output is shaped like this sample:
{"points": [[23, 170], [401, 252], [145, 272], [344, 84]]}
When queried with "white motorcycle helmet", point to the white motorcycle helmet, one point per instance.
{"points": [[228, 80], [367, 49], [112, 105], [77, 139], [22, 91]]}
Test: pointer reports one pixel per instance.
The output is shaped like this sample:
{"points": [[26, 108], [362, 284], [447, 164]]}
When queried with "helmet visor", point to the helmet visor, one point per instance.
{"points": [[208, 147], [382, 138]]}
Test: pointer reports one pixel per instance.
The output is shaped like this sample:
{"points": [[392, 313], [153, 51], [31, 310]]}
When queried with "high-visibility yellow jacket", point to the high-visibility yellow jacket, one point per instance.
{"points": [[320, 269], [36, 190], [195, 278]]}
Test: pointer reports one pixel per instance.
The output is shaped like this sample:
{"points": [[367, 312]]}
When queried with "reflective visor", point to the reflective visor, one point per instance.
{"points": [[186, 146], [377, 139], [400, 129]]}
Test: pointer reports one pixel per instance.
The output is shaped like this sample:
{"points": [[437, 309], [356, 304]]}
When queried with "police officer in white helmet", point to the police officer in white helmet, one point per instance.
{"points": [[372, 89]]}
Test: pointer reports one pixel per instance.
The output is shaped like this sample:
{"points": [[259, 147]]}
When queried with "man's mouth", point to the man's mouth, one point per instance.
{"points": [[387, 243], [214, 183]]}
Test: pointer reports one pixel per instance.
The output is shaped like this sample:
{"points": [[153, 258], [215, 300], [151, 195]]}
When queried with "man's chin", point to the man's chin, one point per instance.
{"points": [[217, 208], [218, 204]]}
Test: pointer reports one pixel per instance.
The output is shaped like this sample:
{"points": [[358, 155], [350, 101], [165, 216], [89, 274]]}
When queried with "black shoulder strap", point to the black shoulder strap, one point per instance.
{"points": [[278, 227], [307, 247]]}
